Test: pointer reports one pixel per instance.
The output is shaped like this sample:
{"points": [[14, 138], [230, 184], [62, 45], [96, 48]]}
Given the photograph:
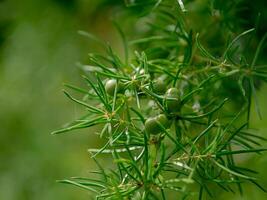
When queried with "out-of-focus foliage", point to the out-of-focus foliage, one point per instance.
{"points": [[39, 47]]}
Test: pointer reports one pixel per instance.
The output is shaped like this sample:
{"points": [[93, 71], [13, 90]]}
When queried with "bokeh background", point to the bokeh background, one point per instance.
{"points": [[39, 49]]}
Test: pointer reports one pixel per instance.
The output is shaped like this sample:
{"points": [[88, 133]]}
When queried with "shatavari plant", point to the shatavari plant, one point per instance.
{"points": [[175, 110]]}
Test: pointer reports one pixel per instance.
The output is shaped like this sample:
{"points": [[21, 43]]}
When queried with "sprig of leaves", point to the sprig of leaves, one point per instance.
{"points": [[198, 140]]}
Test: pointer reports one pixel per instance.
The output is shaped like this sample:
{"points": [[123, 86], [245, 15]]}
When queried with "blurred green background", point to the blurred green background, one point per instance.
{"points": [[39, 47]]}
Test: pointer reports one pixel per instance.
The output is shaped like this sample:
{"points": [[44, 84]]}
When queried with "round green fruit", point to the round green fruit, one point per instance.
{"points": [[172, 100], [153, 125], [111, 85], [159, 86]]}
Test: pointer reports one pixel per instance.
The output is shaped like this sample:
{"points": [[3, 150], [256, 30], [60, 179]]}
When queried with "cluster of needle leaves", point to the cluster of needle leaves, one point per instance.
{"points": [[201, 147]]}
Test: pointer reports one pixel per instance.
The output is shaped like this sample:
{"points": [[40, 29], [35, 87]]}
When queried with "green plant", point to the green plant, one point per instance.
{"points": [[185, 139]]}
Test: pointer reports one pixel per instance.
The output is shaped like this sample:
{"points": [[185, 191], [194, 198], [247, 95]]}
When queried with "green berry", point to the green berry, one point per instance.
{"points": [[110, 86], [172, 100], [159, 86], [162, 119], [153, 124]]}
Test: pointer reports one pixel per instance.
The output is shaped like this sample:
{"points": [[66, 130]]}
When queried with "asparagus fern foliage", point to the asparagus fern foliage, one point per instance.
{"points": [[175, 114]]}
